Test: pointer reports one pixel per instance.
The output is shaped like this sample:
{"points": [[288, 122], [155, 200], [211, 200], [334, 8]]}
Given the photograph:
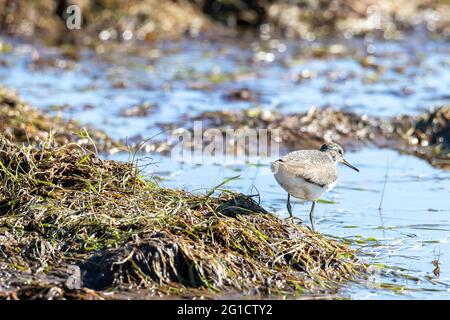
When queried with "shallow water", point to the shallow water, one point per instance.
{"points": [[183, 79]]}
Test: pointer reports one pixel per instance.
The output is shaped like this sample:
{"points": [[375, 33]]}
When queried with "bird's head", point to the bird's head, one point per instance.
{"points": [[337, 153]]}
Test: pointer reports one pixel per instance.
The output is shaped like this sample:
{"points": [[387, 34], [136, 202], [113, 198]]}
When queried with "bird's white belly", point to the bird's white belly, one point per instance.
{"points": [[300, 188]]}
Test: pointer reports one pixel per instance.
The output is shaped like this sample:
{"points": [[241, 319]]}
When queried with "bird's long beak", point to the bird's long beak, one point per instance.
{"points": [[349, 165]]}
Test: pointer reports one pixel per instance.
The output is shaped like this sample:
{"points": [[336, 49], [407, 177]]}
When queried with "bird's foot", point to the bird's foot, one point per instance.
{"points": [[311, 227], [293, 219]]}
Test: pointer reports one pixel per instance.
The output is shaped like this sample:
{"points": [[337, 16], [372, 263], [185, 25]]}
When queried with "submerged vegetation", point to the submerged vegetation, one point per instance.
{"points": [[61, 206]]}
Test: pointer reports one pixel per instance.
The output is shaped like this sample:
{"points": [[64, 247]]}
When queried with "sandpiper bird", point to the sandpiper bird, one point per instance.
{"points": [[307, 174]]}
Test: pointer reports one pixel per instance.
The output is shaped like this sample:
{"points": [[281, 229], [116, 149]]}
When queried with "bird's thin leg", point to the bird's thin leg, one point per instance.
{"points": [[288, 205], [311, 215]]}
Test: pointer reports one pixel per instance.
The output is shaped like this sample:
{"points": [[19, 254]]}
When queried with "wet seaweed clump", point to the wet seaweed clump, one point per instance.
{"points": [[64, 206], [301, 130], [428, 135], [22, 123]]}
